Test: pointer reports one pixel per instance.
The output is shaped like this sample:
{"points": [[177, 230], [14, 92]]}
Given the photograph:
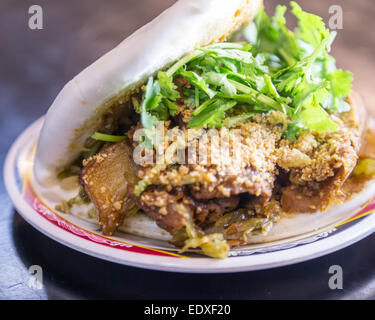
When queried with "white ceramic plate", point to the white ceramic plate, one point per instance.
{"points": [[351, 226]]}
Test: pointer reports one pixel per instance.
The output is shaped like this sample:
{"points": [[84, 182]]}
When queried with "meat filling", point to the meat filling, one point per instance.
{"points": [[300, 176]]}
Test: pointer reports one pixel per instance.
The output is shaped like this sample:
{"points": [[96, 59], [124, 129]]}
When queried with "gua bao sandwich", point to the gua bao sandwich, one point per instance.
{"points": [[277, 124]]}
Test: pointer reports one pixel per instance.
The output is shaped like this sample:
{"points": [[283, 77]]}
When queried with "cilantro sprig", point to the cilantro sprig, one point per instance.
{"points": [[290, 71]]}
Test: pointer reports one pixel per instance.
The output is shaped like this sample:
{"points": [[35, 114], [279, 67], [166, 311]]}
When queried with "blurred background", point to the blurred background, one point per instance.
{"points": [[34, 66]]}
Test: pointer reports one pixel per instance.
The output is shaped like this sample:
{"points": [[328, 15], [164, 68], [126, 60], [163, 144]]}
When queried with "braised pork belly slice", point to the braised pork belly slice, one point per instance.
{"points": [[107, 179], [320, 163], [171, 209]]}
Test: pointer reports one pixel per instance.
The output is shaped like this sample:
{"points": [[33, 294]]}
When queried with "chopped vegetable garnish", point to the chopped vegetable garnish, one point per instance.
{"points": [[365, 167], [277, 69]]}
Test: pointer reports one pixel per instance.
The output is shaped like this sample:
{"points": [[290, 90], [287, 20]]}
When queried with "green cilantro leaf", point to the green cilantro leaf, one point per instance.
{"points": [[277, 69], [167, 88], [311, 28]]}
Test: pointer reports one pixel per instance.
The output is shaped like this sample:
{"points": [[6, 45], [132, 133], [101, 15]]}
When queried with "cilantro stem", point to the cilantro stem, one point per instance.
{"points": [[196, 98], [289, 60], [202, 107], [230, 122], [184, 60], [200, 52], [259, 96], [271, 86], [315, 55], [107, 137]]}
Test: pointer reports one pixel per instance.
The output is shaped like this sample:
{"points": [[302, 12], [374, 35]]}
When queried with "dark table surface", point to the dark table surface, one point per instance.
{"points": [[34, 66]]}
